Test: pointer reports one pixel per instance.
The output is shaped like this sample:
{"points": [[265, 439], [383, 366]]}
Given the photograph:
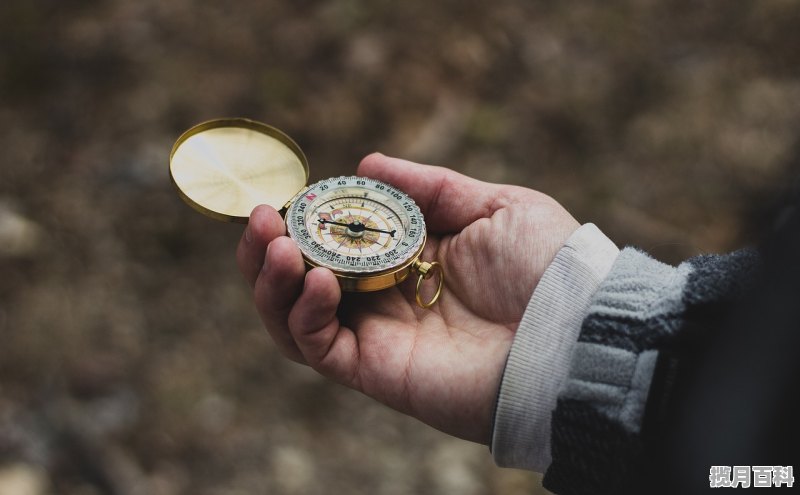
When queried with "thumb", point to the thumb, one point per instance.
{"points": [[325, 345], [450, 201]]}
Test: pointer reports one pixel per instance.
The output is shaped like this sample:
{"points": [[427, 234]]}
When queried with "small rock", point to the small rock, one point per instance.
{"points": [[19, 236], [293, 469], [22, 479]]}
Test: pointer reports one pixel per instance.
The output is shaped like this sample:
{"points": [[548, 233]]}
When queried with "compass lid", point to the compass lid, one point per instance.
{"points": [[226, 167]]}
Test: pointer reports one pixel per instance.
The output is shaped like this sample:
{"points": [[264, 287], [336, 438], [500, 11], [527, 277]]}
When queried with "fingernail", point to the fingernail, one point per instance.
{"points": [[248, 236]]}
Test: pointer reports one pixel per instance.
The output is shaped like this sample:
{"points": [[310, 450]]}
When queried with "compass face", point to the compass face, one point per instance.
{"points": [[356, 225]]}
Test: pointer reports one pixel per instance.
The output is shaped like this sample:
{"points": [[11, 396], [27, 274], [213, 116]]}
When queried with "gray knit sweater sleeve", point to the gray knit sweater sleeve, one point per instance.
{"points": [[641, 308]]}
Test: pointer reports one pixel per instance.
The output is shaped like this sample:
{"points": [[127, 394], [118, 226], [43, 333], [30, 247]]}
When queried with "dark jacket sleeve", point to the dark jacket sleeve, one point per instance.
{"points": [[648, 326]]}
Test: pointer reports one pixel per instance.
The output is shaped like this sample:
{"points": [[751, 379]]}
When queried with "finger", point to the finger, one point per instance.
{"points": [[265, 224], [276, 289], [329, 348], [450, 201]]}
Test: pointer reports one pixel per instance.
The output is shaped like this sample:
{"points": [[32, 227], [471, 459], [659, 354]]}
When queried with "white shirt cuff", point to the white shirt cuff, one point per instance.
{"points": [[540, 355]]}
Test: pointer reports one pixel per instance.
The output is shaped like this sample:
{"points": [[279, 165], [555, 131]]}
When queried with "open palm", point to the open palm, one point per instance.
{"points": [[442, 365]]}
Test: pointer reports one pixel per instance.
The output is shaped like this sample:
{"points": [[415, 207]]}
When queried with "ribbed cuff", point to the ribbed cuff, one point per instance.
{"points": [[540, 356]]}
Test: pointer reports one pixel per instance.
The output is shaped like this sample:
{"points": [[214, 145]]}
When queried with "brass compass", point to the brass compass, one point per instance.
{"points": [[367, 232]]}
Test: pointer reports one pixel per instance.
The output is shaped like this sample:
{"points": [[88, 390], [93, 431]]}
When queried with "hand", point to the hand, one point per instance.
{"points": [[442, 365]]}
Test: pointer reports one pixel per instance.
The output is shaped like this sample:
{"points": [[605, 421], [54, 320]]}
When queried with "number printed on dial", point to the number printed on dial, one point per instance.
{"points": [[356, 224]]}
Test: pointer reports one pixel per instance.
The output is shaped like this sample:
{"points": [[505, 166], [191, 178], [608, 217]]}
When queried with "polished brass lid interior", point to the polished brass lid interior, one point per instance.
{"points": [[224, 168]]}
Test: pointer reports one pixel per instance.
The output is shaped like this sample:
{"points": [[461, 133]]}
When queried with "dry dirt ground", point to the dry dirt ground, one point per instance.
{"points": [[131, 358]]}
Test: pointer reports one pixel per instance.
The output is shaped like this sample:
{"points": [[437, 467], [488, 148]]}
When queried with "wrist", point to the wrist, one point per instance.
{"points": [[538, 361]]}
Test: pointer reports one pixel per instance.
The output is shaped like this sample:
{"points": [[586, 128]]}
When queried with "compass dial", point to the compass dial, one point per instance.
{"points": [[356, 225]]}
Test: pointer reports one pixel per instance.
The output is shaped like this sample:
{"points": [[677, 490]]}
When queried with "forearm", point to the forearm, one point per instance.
{"points": [[646, 325], [579, 372]]}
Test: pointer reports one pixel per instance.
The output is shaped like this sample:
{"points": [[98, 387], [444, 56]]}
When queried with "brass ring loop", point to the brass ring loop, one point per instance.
{"points": [[434, 267]]}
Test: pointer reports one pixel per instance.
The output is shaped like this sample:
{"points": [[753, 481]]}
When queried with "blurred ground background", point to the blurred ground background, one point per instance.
{"points": [[131, 359]]}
